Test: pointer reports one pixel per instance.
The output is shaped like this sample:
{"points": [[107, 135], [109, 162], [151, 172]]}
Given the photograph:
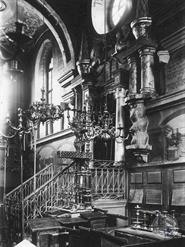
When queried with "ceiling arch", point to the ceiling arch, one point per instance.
{"points": [[34, 14]]}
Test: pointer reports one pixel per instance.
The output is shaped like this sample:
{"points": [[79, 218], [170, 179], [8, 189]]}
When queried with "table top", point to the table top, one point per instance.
{"points": [[41, 224], [93, 215], [71, 221]]}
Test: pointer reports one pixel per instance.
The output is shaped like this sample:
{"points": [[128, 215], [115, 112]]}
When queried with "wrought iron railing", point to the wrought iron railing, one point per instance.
{"points": [[60, 191], [107, 180], [33, 183]]}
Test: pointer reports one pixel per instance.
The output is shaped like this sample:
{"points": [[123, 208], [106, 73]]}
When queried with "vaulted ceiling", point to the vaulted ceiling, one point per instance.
{"points": [[72, 12]]}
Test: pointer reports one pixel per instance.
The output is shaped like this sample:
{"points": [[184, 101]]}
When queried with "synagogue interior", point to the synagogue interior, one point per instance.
{"points": [[92, 123]]}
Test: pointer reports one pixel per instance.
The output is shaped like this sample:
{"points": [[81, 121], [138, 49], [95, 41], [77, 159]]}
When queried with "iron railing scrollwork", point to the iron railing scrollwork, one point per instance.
{"points": [[108, 181], [60, 191]]}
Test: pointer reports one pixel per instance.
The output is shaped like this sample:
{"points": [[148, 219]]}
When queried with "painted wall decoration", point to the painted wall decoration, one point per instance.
{"points": [[175, 138], [168, 140]]}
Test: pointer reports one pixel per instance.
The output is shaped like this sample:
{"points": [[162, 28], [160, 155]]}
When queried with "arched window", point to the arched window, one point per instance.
{"points": [[47, 87]]}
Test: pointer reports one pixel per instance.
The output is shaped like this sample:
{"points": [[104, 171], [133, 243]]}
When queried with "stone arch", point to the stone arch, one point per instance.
{"points": [[58, 29], [173, 115]]}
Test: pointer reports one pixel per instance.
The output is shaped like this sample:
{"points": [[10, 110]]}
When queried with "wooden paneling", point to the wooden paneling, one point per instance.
{"points": [[154, 177], [157, 187], [179, 176], [136, 178], [154, 196], [178, 197]]}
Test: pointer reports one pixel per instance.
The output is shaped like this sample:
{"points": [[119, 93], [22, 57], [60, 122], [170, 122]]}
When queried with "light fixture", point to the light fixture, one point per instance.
{"points": [[87, 125], [41, 112]]}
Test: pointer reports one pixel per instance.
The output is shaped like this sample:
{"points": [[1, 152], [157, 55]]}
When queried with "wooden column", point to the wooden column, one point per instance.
{"points": [[147, 73], [132, 75]]}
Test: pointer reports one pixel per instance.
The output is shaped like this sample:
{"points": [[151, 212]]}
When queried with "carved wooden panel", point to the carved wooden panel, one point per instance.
{"points": [[178, 197], [179, 176], [154, 196], [154, 177], [136, 178]]}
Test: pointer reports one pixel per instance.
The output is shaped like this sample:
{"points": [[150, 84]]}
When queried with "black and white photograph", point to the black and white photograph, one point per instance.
{"points": [[92, 123]]}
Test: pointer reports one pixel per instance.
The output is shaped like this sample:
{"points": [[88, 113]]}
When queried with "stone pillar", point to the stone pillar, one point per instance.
{"points": [[132, 75], [147, 74], [119, 142]]}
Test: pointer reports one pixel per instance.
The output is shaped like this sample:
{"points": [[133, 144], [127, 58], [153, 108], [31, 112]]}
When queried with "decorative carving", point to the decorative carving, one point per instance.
{"points": [[74, 155], [140, 138], [164, 56], [94, 58], [141, 27], [121, 43], [147, 74], [132, 75], [84, 67]]}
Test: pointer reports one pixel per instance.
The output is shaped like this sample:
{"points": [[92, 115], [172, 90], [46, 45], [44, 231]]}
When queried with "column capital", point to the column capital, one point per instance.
{"points": [[147, 51]]}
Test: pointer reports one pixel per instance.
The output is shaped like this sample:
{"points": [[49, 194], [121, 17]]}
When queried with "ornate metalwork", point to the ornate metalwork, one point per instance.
{"points": [[87, 125], [27, 187], [74, 155], [67, 189], [107, 180], [40, 112], [141, 27]]}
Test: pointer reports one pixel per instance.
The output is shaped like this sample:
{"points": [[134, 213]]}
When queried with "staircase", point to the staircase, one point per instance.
{"points": [[53, 188]]}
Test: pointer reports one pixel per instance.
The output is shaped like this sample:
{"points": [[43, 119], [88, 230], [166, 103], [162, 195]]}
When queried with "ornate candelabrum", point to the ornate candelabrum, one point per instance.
{"points": [[87, 125], [27, 122], [40, 111]]}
